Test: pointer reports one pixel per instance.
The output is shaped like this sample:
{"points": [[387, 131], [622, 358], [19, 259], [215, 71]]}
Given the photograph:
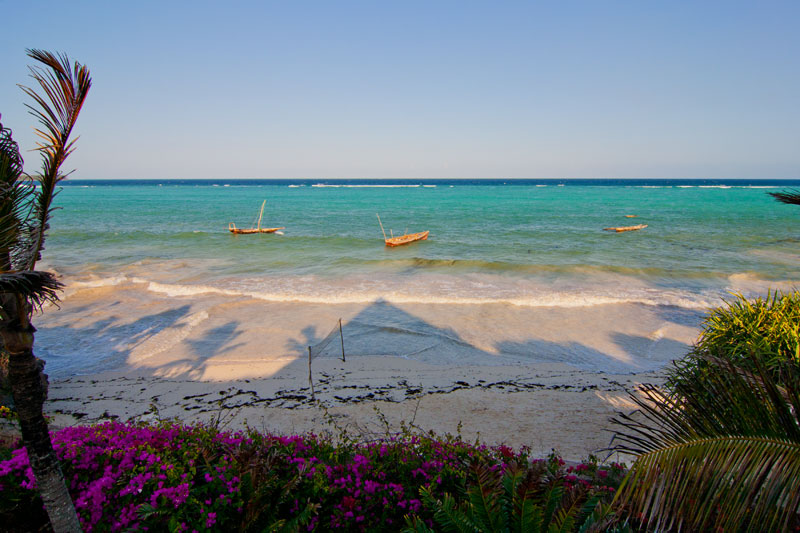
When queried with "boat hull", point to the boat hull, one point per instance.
{"points": [[241, 231], [407, 239], [627, 228]]}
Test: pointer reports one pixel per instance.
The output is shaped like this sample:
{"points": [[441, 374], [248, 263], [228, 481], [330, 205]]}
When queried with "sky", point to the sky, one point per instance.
{"points": [[419, 89]]}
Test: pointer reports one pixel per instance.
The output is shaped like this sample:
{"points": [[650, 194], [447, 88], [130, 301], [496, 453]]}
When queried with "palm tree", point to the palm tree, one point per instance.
{"points": [[787, 197], [25, 212], [720, 454]]}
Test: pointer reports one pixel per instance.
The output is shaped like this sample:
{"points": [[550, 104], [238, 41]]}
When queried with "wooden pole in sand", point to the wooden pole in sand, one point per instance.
{"points": [[341, 336], [311, 381]]}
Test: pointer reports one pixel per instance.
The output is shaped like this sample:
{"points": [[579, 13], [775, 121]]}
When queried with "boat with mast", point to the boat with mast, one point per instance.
{"points": [[258, 229], [402, 239]]}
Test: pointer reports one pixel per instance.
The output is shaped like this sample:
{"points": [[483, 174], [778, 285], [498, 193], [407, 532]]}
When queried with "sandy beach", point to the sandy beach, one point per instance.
{"points": [[519, 320], [543, 377]]}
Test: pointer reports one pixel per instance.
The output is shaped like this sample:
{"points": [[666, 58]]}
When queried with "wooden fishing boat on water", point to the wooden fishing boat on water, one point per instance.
{"points": [[620, 229], [258, 229], [402, 239]]}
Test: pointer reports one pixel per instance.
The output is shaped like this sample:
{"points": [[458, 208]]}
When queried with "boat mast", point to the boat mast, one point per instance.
{"points": [[379, 222], [261, 213]]}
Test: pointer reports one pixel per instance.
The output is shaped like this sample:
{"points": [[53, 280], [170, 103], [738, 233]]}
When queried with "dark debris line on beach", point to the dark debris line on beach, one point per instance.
{"points": [[329, 395]]}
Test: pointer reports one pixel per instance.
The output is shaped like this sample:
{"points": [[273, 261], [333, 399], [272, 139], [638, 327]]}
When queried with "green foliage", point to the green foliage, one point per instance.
{"points": [[521, 498], [768, 327], [65, 87], [168, 477], [14, 195], [720, 453], [269, 496], [763, 332]]}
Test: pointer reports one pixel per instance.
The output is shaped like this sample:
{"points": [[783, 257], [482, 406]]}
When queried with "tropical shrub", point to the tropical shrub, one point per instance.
{"points": [[762, 331], [169, 477]]}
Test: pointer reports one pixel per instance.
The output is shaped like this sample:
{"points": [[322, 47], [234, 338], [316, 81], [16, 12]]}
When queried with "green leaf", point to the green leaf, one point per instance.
{"points": [[722, 453], [65, 87]]}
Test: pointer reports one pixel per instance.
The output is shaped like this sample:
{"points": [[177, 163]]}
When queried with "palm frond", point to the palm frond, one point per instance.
{"points": [[14, 197], [64, 88], [711, 451], [787, 197], [10, 158], [36, 287], [720, 484]]}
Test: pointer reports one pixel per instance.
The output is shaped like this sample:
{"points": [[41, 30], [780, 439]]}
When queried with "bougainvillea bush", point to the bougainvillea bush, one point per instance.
{"points": [[169, 477]]}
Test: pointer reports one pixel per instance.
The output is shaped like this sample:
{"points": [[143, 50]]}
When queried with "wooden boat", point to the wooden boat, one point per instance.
{"points": [[258, 229], [402, 239], [630, 216], [626, 228]]}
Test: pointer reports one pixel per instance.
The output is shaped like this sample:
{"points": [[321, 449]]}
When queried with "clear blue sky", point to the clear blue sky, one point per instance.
{"points": [[436, 89]]}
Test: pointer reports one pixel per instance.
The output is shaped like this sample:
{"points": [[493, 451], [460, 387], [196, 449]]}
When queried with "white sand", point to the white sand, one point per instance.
{"points": [[545, 377]]}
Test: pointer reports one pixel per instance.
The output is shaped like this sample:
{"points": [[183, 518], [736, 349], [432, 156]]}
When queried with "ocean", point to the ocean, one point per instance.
{"points": [[497, 248]]}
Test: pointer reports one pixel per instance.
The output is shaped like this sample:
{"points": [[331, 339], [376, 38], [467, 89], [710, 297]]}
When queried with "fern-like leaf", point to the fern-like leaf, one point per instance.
{"points": [[485, 501]]}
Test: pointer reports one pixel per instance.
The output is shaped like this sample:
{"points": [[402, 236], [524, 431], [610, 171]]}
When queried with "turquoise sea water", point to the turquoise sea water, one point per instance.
{"points": [[521, 270], [697, 236]]}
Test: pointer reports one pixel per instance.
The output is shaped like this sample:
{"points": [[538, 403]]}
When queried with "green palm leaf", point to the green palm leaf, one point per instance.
{"points": [[64, 88], [725, 484], [14, 196], [723, 453], [35, 286]]}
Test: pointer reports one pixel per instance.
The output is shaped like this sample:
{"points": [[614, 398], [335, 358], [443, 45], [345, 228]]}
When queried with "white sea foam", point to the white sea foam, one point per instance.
{"points": [[318, 294], [337, 186], [95, 282]]}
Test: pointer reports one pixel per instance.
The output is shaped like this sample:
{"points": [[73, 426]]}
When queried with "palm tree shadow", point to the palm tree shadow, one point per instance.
{"points": [[651, 351], [110, 341], [310, 337], [214, 343], [217, 341], [682, 316]]}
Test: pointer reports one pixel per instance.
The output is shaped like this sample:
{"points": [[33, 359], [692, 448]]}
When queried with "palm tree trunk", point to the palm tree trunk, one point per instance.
{"points": [[27, 387]]}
